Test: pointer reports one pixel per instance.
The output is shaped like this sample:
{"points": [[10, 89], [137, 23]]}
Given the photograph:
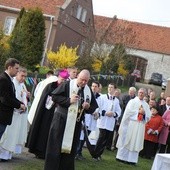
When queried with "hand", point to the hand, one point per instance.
{"points": [[74, 98], [96, 115], [86, 105], [155, 132], [22, 107], [109, 114], [28, 94], [149, 131]]}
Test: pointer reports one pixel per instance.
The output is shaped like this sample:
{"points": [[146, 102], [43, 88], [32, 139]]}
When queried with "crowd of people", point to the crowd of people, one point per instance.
{"points": [[67, 114]]}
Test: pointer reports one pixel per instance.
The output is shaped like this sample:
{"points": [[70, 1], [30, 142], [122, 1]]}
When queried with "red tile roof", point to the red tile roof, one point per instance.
{"points": [[47, 6], [133, 34]]}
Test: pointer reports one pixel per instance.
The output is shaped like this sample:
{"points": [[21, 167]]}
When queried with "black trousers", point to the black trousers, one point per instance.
{"points": [[101, 143], [148, 149], [110, 141], [81, 144]]}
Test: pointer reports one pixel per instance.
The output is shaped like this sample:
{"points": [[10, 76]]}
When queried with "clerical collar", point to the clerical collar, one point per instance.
{"points": [[110, 97]]}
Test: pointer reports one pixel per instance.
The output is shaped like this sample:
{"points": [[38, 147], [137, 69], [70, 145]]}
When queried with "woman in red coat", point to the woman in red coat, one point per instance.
{"points": [[152, 130], [163, 137]]}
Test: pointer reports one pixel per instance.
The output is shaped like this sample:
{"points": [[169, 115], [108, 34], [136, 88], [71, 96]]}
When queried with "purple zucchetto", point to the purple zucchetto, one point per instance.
{"points": [[63, 73]]}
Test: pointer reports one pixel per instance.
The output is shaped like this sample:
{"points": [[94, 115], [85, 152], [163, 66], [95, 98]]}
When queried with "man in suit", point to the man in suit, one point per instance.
{"points": [[8, 100], [164, 107]]}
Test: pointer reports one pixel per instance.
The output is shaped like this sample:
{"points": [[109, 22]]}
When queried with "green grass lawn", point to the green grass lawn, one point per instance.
{"points": [[123, 89], [108, 162]]}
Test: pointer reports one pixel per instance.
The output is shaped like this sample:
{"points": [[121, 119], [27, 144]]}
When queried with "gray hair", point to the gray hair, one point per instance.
{"points": [[22, 69], [132, 89], [144, 90]]}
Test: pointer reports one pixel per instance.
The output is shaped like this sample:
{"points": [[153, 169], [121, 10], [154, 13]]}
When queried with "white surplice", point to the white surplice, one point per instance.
{"points": [[106, 122], [131, 131], [15, 135]]}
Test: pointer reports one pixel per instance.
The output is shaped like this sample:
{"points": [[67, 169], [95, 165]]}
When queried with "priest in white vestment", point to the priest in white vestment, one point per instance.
{"points": [[132, 128], [15, 135]]}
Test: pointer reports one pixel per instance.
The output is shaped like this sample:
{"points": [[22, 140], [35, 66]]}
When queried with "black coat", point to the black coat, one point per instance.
{"points": [[8, 100], [39, 130], [55, 160], [162, 109]]}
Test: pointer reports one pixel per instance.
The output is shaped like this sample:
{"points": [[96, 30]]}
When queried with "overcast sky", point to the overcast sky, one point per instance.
{"points": [[156, 12]]}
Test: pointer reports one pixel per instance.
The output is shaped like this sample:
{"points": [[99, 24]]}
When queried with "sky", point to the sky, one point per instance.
{"points": [[155, 12]]}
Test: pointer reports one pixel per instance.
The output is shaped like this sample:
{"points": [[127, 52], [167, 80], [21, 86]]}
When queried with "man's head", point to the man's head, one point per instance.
{"points": [[141, 93], [152, 103], [22, 74], [146, 99], [132, 91], [168, 101], [83, 78], [117, 92], [49, 73], [111, 88], [12, 66], [95, 87], [62, 76], [152, 95], [162, 95], [72, 72]]}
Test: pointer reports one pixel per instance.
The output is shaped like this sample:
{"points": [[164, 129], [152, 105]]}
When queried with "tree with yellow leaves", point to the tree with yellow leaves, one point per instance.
{"points": [[96, 65], [121, 70], [65, 57], [4, 48]]}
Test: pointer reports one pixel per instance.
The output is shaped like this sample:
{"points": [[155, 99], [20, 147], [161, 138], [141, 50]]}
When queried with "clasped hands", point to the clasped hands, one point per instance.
{"points": [[153, 132], [110, 114]]}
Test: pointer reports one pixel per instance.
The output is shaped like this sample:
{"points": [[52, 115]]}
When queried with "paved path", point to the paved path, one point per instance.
{"points": [[17, 160]]}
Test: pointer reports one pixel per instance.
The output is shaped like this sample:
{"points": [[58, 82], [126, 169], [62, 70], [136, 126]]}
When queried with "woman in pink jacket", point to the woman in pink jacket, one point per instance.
{"points": [[164, 140]]}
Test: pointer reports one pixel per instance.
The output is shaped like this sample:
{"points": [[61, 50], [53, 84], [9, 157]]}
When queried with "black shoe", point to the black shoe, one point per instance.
{"points": [[79, 157], [4, 160], [120, 160], [131, 163], [109, 149], [96, 159], [40, 156]]}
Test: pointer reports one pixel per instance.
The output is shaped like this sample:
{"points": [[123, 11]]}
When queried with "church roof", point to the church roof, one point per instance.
{"points": [[133, 34]]}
